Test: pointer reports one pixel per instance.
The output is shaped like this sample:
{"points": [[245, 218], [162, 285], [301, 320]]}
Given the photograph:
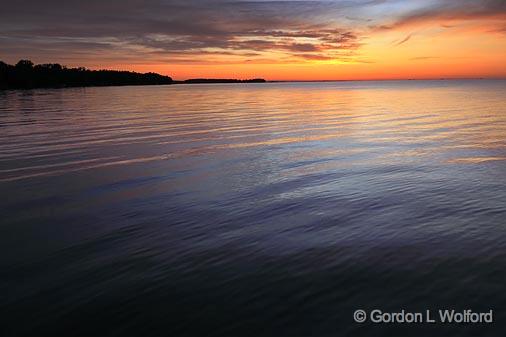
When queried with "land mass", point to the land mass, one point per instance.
{"points": [[26, 75]]}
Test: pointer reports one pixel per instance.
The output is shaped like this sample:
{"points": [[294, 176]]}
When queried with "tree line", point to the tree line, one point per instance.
{"points": [[26, 75]]}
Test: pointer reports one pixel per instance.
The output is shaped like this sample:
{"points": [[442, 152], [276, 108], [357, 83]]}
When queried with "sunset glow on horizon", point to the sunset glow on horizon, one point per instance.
{"points": [[275, 40]]}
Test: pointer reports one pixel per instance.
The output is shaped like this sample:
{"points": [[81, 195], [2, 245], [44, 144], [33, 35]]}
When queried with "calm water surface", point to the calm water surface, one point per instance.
{"points": [[252, 210]]}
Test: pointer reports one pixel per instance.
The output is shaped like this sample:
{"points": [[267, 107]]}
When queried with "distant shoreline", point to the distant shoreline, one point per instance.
{"points": [[26, 75], [218, 80]]}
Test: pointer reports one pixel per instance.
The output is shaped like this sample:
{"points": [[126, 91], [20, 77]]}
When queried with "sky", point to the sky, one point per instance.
{"points": [[275, 40]]}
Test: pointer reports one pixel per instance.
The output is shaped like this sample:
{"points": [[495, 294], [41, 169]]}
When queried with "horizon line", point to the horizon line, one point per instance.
{"points": [[394, 79]]}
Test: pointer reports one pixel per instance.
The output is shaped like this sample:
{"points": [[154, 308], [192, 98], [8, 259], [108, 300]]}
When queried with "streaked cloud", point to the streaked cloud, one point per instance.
{"points": [[445, 11], [406, 39]]}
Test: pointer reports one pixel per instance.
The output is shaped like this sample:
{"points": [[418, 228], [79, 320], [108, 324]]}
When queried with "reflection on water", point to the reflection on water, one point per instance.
{"points": [[251, 210]]}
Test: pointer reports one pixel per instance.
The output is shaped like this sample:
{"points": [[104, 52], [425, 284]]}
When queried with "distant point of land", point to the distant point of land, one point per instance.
{"points": [[26, 75], [219, 80]]}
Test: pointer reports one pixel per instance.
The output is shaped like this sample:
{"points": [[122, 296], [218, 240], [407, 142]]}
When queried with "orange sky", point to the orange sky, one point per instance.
{"points": [[283, 40], [467, 48]]}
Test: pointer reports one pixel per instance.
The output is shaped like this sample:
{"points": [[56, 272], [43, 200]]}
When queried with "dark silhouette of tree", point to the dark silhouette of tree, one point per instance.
{"points": [[24, 65], [3, 75]]}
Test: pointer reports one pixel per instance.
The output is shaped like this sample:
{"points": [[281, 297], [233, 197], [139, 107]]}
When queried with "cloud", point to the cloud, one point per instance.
{"points": [[451, 11], [499, 30], [406, 39], [421, 58], [208, 31], [177, 28]]}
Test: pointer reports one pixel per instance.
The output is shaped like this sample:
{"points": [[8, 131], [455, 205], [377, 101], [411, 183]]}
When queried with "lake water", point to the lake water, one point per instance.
{"points": [[252, 210]]}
